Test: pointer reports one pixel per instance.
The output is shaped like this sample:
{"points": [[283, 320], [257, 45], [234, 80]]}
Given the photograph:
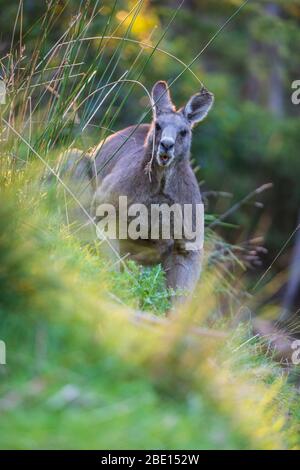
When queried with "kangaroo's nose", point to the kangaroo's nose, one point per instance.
{"points": [[167, 144]]}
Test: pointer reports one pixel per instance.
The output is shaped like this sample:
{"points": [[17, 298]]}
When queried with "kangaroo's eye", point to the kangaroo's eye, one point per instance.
{"points": [[157, 127], [183, 133]]}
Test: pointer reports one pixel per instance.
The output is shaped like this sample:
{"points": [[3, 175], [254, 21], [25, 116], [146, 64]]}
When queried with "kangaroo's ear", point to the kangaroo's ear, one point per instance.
{"points": [[198, 106], [161, 99]]}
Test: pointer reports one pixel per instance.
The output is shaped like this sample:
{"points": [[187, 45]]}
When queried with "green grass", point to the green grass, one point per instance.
{"points": [[142, 288], [81, 374]]}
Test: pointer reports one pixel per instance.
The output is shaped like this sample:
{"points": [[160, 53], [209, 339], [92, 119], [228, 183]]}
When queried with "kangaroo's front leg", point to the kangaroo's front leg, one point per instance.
{"points": [[183, 269]]}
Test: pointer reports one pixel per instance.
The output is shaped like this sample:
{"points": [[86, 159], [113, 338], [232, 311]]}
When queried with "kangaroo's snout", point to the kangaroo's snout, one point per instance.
{"points": [[167, 144], [165, 151]]}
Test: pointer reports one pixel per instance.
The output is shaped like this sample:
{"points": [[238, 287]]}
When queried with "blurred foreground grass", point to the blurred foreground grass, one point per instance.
{"points": [[81, 374]]}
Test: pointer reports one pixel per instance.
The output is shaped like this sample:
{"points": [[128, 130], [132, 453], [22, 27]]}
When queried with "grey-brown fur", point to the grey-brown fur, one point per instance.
{"points": [[171, 179]]}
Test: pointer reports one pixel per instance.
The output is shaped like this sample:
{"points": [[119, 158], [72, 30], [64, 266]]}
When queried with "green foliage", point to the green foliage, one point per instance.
{"points": [[142, 288], [80, 374]]}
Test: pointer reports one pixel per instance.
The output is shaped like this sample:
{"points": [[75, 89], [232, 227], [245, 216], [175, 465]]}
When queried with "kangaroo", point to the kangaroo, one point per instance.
{"points": [[150, 164]]}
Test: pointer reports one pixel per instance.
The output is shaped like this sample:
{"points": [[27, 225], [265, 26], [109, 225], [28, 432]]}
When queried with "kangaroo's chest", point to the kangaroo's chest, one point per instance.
{"points": [[164, 192]]}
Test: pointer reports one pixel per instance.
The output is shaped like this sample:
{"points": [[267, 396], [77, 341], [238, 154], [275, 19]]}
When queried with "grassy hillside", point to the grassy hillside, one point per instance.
{"points": [[81, 373]]}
